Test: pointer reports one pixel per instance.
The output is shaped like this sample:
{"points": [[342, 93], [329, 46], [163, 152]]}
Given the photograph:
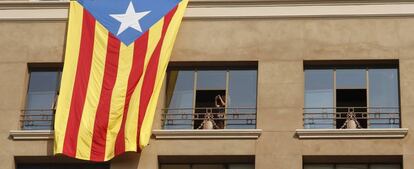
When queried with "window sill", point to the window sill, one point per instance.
{"points": [[208, 134], [351, 133], [31, 134]]}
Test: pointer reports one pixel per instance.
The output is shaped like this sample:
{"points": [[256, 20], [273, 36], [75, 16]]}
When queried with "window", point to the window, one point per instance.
{"points": [[61, 166], [41, 99], [207, 166], [56, 162], [352, 166], [199, 98], [352, 96]]}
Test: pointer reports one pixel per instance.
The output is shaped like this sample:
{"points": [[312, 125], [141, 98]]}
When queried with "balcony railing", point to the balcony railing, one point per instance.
{"points": [[37, 119], [209, 118], [360, 117]]}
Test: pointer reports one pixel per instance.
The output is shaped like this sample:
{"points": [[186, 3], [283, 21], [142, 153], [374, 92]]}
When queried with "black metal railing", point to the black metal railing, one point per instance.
{"points": [[209, 118], [364, 117], [37, 119]]}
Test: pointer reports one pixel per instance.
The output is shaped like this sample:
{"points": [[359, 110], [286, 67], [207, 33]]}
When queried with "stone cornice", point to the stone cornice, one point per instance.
{"points": [[225, 9], [351, 133], [31, 134], [23, 4], [38, 11], [208, 134]]}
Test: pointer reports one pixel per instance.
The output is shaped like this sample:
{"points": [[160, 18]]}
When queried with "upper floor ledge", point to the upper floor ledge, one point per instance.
{"points": [[159, 134], [351, 133], [208, 134], [31, 134]]}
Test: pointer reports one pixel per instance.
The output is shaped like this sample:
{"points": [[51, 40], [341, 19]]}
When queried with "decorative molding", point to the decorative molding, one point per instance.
{"points": [[31, 134], [217, 9], [208, 134], [351, 133]]}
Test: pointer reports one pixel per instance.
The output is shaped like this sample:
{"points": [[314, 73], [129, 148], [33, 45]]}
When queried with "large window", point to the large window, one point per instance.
{"points": [[211, 99], [41, 99], [352, 166], [61, 166], [351, 97], [206, 166]]}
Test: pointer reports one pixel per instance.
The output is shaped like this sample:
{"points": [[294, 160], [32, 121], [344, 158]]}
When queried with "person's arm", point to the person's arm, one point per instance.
{"points": [[222, 101]]}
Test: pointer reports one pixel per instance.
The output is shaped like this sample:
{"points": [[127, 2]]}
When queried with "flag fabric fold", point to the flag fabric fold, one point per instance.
{"points": [[115, 62]]}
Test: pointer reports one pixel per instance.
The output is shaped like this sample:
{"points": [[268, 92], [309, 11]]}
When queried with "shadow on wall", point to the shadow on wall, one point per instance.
{"points": [[126, 160]]}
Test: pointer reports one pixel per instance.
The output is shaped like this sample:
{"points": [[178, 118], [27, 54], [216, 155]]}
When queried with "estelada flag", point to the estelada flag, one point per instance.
{"points": [[116, 56]]}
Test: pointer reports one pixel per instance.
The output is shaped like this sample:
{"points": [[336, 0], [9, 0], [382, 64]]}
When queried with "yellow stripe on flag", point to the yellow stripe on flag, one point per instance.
{"points": [[131, 124], [166, 49], [83, 150], [126, 56], [68, 77]]}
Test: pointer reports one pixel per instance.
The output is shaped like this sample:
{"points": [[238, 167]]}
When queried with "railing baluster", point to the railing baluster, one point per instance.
{"points": [[318, 117], [241, 117]]}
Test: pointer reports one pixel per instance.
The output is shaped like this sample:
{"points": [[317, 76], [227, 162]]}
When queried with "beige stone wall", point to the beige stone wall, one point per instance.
{"points": [[279, 45]]}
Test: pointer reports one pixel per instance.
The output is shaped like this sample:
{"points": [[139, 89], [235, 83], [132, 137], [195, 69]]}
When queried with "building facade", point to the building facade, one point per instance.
{"points": [[271, 84]]}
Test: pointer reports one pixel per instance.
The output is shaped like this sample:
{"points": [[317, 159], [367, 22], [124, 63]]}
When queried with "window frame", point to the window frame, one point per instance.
{"points": [[367, 164], [209, 66], [366, 65], [40, 67]]}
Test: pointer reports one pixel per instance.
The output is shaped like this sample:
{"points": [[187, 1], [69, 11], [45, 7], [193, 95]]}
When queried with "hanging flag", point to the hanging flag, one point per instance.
{"points": [[116, 56]]}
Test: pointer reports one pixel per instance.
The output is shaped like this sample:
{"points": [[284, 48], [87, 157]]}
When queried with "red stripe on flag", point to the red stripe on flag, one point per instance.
{"points": [[140, 50], [102, 112], [80, 85], [151, 75]]}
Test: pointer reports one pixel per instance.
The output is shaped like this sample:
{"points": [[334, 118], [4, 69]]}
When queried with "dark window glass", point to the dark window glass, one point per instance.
{"points": [[41, 99], [385, 166], [318, 166], [241, 166], [207, 166], [63, 166], [352, 166]]}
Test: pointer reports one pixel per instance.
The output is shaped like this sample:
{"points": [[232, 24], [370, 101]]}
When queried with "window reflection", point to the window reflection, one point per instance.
{"points": [[369, 97], [41, 99], [226, 97], [180, 97], [211, 79], [351, 79], [352, 166], [319, 98], [242, 97], [383, 92], [207, 166]]}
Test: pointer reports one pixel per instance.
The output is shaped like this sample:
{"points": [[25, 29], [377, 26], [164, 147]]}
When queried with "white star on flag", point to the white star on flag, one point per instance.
{"points": [[130, 19]]}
